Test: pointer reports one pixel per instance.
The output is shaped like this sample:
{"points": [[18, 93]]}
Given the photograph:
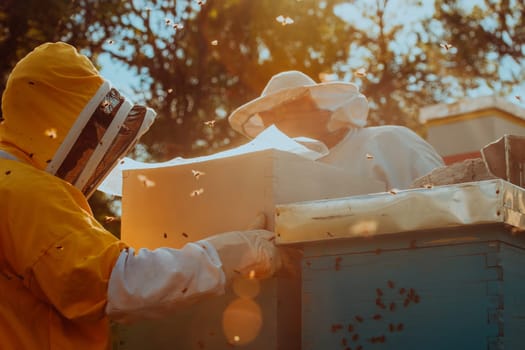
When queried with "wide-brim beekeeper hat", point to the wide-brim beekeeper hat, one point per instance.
{"points": [[348, 107], [63, 117]]}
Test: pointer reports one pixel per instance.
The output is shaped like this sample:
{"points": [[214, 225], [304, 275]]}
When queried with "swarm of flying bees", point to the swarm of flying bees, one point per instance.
{"points": [[284, 20]]}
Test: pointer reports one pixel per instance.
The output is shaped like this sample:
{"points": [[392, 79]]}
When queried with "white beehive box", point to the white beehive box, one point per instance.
{"points": [[170, 206]]}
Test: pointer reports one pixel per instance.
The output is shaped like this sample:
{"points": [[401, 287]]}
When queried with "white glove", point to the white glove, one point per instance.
{"points": [[242, 252]]}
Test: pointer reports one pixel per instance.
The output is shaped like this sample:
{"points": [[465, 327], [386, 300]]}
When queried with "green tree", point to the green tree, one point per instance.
{"points": [[199, 60]]}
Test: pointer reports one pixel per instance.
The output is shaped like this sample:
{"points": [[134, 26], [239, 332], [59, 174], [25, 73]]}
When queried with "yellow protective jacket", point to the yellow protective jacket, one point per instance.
{"points": [[55, 263]]}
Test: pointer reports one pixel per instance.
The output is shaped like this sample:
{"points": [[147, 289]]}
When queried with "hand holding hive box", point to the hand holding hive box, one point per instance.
{"points": [[173, 205]]}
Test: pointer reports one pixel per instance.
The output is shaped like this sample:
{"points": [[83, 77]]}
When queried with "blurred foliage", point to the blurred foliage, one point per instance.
{"points": [[199, 60]]}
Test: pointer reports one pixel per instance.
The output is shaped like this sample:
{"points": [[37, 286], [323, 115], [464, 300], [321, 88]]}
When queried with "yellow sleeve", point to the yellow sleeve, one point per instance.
{"points": [[53, 243]]}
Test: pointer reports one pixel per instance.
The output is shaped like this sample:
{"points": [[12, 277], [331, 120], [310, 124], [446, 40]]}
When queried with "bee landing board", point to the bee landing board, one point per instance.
{"points": [[174, 205]]}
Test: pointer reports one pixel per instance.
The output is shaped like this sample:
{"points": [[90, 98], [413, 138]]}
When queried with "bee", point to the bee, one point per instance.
{"points": [[428, 186], [210, 123], [518, 97], [184, 234], [377, 317], [145, 181], [51, 133], [446, 45], [110, 42], [360, 72], [169, 91], [391, 284], [284, 20], [214, 42], [324, 77], [109, 219], [369, 156], [196, 173], [392, 306], [355, 337], [336, 327], [359, 319], [184, 290], [178, 26], [393, 191], [197, 192], [379, 292], [8, 172]]}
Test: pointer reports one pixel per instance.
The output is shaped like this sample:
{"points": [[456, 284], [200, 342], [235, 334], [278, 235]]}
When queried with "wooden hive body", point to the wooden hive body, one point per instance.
{"points": [[158, 210]]}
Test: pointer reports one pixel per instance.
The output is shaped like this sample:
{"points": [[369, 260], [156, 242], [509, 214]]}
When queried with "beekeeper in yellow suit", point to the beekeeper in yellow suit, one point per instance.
{"points": [[62, 275]]}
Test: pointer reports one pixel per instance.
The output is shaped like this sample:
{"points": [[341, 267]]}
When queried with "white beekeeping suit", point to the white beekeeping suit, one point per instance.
{"points": [[335, 114]]}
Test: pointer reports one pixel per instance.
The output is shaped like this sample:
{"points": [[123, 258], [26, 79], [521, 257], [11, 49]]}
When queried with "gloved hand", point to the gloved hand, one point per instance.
{"points": [[244, 251]]}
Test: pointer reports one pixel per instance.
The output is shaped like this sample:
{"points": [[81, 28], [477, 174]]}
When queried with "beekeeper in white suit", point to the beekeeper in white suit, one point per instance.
{"points": [[335, 114], [62, 275]]}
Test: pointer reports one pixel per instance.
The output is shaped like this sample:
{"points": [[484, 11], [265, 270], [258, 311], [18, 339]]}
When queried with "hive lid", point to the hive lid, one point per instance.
{"points": [[484, 202]]}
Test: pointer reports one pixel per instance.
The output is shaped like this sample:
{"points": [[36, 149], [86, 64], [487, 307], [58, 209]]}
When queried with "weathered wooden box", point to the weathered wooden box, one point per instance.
{"points": [[170, 206], [422, 269]]}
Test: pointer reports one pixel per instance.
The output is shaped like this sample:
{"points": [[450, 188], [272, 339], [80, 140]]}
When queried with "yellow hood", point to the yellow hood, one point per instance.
{"points": [[44, 95]]}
